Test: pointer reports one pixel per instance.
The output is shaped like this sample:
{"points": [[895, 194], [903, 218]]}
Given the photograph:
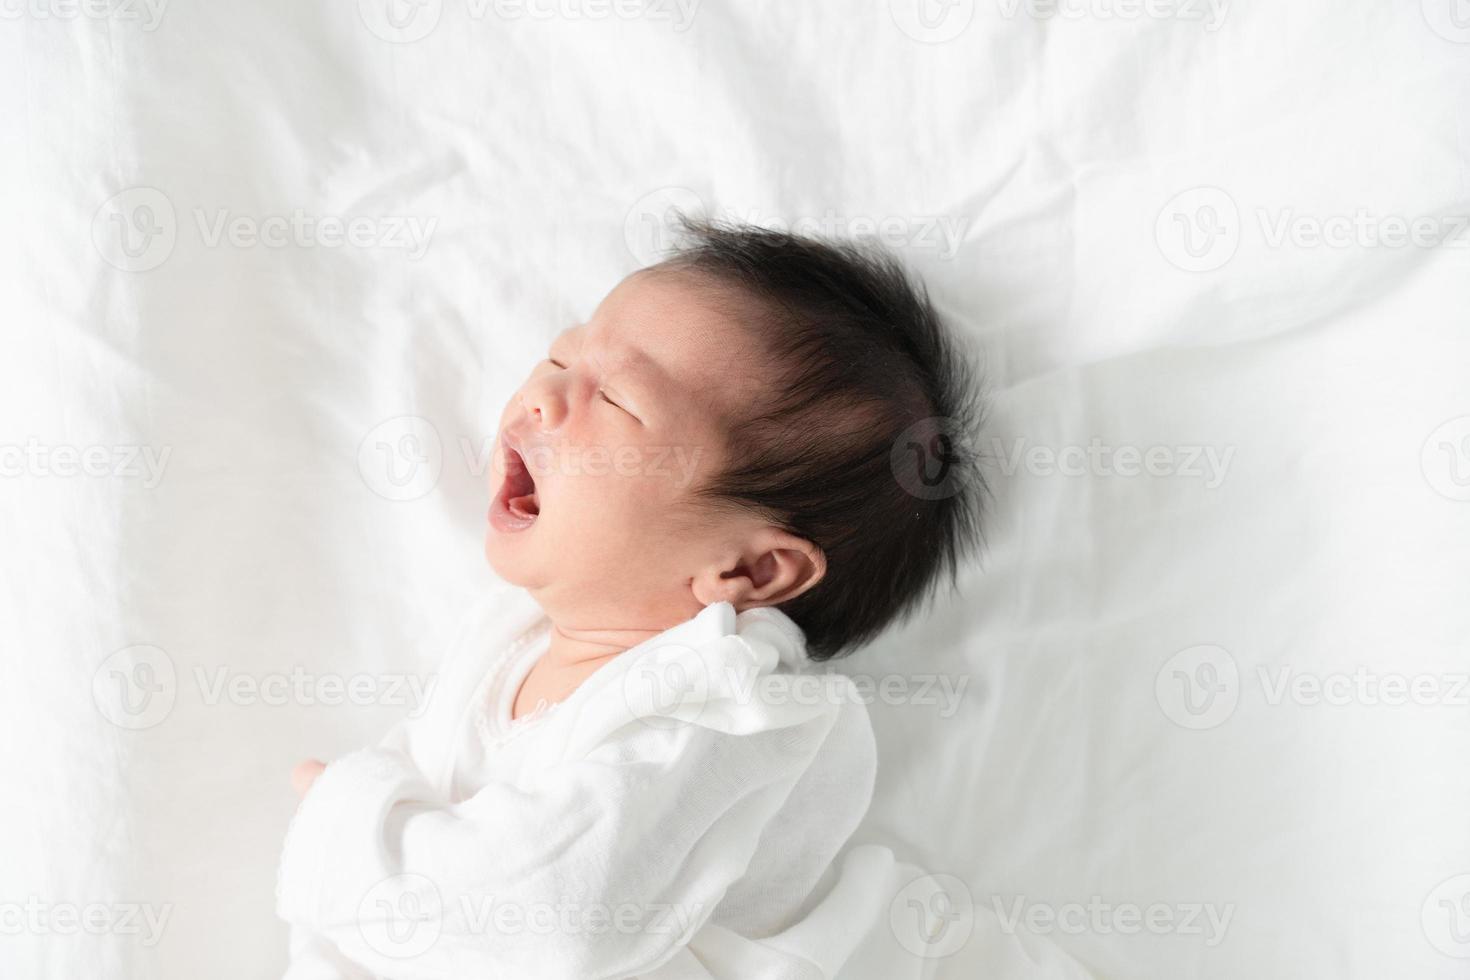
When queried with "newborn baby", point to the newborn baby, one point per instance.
{"points": [[629, 765]]}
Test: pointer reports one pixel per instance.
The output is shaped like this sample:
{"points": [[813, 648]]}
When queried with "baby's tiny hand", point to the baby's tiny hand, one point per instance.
{"points": [[305, 774]]}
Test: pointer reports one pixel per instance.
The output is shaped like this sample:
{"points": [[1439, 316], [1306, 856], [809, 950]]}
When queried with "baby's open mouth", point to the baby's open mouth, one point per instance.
{"points": [[516, 506]]}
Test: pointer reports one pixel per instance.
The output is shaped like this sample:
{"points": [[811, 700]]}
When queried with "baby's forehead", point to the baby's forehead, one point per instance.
{"points": [[677, 332]]}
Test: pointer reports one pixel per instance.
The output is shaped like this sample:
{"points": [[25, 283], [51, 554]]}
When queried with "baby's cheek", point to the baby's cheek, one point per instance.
{"points": [[594, 498], [629, 505]]}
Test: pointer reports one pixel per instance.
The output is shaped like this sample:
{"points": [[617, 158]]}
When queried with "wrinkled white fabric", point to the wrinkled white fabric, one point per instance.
{"points": [[693, 792], [243, 395]]}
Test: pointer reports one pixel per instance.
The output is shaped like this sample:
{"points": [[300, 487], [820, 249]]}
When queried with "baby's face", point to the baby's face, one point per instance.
{"points": [[601, 448]]}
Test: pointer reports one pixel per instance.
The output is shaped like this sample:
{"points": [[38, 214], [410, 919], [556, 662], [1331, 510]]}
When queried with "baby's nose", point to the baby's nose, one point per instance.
{"points": [[543, 407]]}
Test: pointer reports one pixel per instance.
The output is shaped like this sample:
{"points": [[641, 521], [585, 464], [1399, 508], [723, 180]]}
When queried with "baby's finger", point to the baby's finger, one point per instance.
{"points": [[305, 774]]}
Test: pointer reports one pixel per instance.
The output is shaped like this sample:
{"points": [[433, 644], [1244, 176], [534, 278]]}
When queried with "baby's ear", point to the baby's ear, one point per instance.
{"points": [[775, 567]]}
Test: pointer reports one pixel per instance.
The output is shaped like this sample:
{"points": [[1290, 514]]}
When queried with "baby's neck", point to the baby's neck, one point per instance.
{"points": [[571, 657], [572, 648]]}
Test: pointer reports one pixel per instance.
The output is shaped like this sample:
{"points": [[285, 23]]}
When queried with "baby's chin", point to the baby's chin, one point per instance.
{"points": [[508, 558], [529, 560]]}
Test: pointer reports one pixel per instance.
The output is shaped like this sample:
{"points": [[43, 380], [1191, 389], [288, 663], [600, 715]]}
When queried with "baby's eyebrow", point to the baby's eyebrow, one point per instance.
{"points": [[632, 362], [639, 363]]}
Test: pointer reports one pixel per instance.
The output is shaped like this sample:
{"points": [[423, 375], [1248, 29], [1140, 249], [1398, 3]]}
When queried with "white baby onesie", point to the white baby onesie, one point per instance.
{"points": [[678, 815]]}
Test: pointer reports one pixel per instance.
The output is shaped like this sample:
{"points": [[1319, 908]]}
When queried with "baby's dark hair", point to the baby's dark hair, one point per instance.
{"points": [[866, 448]]}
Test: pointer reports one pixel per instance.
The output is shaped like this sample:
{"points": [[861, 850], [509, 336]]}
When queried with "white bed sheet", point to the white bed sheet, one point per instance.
{"points": [[1041, 170]]}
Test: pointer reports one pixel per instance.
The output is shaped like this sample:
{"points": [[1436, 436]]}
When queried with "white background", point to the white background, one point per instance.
{"points": [[1171, 226]]}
